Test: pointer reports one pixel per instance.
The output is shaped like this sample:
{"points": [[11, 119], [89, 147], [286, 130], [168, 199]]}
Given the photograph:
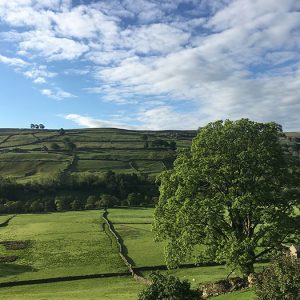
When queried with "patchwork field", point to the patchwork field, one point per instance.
{"points": [[30, 154]]}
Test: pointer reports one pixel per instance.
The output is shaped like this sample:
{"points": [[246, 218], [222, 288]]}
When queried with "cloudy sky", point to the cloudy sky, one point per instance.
{"points": [[149, 64]]}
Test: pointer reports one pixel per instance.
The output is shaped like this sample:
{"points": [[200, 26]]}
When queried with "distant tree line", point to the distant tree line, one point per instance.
{"points": [[37, 126], [67, 191]]}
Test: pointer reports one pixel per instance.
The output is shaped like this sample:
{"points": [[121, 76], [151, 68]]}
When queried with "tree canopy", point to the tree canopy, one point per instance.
{"points": [[234, 192]]}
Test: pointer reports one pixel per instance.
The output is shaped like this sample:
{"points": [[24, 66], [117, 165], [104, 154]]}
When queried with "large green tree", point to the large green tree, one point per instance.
{"points": [[234, 192]]}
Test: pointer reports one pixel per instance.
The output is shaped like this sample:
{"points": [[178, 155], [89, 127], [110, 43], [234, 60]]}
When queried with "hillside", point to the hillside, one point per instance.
{"points": [[27, 154]]}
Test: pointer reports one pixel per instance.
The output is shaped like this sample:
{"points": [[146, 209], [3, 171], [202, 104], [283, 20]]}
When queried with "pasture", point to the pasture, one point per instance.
{"points": [[58, 244], [134, 227], [117, 288], [74, 243]]}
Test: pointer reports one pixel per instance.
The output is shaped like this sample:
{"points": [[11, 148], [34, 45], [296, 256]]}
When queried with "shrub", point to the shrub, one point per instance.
{"points": [[90, 202], [107, 201], [167, 287], [280, 281], [54, 146]]}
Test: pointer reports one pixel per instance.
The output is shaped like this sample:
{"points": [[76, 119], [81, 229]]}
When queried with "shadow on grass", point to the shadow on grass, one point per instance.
{"points": [[14, 269]]}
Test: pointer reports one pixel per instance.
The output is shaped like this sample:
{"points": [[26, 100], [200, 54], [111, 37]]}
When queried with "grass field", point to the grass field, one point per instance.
{"points": [[118, 288], [60, 244], [73, 243], [134, 215], [247, 294]]}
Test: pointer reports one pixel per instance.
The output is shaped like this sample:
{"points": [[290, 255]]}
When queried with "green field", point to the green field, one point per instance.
{"points": [[28, 154], [117, 288], [74, 243], [59, 244], [137, 237], [240, 295]]}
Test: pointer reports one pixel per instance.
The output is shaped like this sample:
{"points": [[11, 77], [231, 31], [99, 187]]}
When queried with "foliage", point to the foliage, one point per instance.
{"points": [[108, 201], [134, 199], [54, 146], [167, 287], [37, 126], [90, 202], [61, 131], [280, 280], [57, 192], [159, 143], [173, 145], [233, 192]]}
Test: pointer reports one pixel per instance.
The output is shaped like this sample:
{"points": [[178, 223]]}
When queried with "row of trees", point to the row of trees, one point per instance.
{"points": [[66, 202], [65, 191], [37, 126]]}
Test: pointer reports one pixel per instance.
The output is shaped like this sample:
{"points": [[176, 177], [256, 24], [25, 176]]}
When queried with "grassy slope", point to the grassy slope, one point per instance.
{"points": [[61, 244], [98, 150]]}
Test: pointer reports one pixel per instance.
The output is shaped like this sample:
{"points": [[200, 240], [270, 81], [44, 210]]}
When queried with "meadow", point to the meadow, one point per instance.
{"points": [[58, 244], [74, 243]]}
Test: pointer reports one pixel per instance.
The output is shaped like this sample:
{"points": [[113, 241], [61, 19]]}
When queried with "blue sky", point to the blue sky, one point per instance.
{"points": [[149, 64]]}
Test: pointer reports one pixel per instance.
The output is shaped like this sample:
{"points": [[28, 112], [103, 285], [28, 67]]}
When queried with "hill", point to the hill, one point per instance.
{"points": [[27, 154], [57, 170]]}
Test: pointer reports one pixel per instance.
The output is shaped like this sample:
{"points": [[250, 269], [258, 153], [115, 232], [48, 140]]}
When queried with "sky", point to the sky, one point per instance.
{"points": [[149, 64]]}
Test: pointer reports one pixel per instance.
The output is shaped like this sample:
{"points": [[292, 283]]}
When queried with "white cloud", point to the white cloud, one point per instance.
{"points": [[45, 44], [39, 80], [164, 117], [161, 38], [39, 74], [13, 61], [84, 22], [94, 123], [57, 94], [230, 59]]}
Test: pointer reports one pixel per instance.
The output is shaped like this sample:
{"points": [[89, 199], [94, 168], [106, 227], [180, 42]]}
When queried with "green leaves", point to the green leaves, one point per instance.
{"points": [[233, 191]]}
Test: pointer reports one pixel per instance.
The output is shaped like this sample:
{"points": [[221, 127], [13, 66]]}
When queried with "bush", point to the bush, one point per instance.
{"points": [[90, 202], [167, 287], [280, 281], [107, 201], [54, 146]]}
